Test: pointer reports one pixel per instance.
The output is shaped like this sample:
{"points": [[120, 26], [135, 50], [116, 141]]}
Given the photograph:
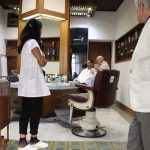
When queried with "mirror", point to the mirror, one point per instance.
{"points": [[51, 42]]}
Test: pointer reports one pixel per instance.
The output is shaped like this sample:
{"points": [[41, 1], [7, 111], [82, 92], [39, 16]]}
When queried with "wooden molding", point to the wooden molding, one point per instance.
{"points": [[64, 47], [64, 43], [122, 106], [40, 5], [67, 10], [20, 8], [29, 13], [52, 13]]}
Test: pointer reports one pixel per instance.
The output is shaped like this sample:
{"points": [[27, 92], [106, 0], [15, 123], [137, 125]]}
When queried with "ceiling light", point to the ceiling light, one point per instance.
{"points": [[44, 16], [82, 10]]}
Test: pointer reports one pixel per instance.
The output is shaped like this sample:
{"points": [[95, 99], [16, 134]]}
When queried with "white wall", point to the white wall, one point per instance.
{"points": [[2, 42], [101, 26], [126, 20], [52, 68], [50, 29], [11, 33], [3, 60]]}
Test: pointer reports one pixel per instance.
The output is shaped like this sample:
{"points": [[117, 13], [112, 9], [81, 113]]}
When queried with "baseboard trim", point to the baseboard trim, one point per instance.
{"points": [[125, 108]]}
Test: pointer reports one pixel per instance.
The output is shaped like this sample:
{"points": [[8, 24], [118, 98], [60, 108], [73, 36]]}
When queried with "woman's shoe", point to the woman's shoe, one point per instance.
{"points": [[40, 144], [27, 147]]}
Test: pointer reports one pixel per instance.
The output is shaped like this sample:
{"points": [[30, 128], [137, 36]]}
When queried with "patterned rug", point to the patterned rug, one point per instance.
{"points": [[12, 145]]}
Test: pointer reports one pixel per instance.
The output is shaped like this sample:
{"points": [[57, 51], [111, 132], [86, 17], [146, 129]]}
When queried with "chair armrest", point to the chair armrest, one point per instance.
{"points": [[83, 86]]}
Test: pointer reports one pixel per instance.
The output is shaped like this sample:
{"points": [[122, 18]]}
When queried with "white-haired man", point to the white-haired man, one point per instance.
{"points": [[103, 65], [139, 133]]}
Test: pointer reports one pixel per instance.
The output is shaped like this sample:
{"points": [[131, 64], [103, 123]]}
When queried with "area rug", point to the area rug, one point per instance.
{"points": [[12, 145]]}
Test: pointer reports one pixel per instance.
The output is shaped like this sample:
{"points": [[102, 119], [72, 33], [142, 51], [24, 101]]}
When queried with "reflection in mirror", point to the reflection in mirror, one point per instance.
{"points": [[51, 43]]}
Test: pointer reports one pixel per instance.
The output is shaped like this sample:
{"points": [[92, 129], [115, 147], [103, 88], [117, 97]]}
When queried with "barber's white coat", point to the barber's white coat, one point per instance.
{"points": [[140, 73]]}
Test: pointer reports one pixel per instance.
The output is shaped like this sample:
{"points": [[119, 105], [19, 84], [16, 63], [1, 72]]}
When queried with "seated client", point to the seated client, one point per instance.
{"points": [[87, 76]]}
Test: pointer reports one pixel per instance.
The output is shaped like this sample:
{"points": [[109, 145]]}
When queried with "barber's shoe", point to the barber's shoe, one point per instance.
{"points": [[27, 147], [40, 144]]}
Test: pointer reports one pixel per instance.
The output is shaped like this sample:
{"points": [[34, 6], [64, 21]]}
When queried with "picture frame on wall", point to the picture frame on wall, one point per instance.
{"points": [[12, 20]]}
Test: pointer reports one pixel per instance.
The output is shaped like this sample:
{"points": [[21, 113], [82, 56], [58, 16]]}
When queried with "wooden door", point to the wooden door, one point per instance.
{"points": [[11, 55], [100, 48]]}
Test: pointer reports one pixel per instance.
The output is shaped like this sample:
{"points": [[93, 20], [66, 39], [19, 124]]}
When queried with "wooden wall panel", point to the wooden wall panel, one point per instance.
{"points": [[64, 47], [100, 48]]}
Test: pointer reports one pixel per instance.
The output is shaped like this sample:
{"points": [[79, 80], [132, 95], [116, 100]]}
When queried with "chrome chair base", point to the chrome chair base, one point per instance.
{"points": [[99, 132]]}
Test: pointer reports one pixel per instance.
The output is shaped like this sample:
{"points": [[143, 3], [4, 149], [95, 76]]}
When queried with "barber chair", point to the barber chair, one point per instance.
{"points": [[101, 95]]}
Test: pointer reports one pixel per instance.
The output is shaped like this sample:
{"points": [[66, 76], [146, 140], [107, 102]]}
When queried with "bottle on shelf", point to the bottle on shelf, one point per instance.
{"points": [[48, 79], [118, 45], [64, 78], [136, 35], [129, 39]]}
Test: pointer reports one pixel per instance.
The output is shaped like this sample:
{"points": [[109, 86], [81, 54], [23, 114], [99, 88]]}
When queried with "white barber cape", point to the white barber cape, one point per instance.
{"points": [[87, 76], [140, 73]]}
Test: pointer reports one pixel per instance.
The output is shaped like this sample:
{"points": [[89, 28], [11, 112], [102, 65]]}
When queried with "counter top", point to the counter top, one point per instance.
{"points": [[51, 86]]}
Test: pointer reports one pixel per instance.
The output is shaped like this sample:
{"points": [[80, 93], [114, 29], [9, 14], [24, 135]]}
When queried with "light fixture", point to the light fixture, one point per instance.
{"points": [[83, 10], [14, 8], [44, 16], [49, 9]]}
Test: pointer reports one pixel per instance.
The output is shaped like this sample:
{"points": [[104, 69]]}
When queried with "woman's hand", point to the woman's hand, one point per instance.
{"points": [[43, 54], [40, 57]]}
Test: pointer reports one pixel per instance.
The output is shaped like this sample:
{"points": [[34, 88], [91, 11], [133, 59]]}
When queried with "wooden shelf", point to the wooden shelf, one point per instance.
{"points": [[47, 42], [126, 44], [123, 60]]}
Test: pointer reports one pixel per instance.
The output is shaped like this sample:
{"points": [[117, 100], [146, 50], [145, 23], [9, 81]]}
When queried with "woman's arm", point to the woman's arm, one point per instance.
{"points": [[41, 59]]}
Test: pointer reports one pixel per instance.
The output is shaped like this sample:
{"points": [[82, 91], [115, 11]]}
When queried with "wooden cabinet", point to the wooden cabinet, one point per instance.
{"points": [[11, 48], [126, 44], [4, 106], [51, 48], [11, 53]]}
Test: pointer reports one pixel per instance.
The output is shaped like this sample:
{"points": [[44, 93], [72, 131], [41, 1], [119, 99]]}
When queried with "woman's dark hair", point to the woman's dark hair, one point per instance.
{"points": [[32, 30]]}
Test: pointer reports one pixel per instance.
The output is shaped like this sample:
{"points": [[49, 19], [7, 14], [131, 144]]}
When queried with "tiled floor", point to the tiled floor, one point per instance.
{"points": [[114, 119]]}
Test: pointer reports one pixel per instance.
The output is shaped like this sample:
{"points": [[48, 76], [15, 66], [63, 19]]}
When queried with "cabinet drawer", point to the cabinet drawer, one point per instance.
{"points": [[4, 88]]}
